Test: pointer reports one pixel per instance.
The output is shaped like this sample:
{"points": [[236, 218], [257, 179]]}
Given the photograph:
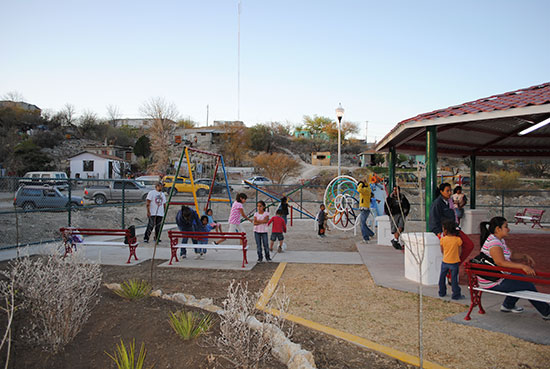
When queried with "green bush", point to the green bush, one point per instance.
{"points": [[134, 289], [189, 325], [126, 359]]}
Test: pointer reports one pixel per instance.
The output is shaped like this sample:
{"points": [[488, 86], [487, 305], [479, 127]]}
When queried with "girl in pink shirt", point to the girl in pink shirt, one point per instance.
{"points": [[235, 216], [261, 217]]}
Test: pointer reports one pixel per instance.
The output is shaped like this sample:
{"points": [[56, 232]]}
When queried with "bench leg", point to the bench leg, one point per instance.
{"points": [[174, 253], [475, 297], [536, 222], [68, 249], [132, 252]]}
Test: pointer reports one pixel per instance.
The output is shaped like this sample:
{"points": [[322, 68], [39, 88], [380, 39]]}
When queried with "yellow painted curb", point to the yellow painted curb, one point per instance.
{"points": [[360, 341], [270, 288]]}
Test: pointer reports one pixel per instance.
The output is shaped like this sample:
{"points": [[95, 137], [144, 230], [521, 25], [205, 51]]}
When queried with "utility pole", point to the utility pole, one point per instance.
{"points": [[239, 63], [207, 115], [366, 132]]}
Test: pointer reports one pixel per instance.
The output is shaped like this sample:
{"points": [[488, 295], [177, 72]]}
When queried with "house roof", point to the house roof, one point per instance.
{"points": [[108, 157], [484, 127]]}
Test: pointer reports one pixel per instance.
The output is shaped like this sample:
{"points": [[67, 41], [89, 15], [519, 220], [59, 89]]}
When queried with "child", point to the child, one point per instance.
{"points": [[261, 217], [284, 208], [235, 216], [322, 221], [216, 226], [451, 247], [204, 226], [459, 201], [279, 227]]}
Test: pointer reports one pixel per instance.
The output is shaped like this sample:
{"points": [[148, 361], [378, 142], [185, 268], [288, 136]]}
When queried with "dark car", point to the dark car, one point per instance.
{"points": [[49, 197], [218, 186]]}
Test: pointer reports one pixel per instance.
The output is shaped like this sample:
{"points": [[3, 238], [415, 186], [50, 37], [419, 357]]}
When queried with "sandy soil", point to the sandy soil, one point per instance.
{"points": [[345, 297]]}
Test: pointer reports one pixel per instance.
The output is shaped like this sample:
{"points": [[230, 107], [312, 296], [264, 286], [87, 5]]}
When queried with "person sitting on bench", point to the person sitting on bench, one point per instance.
{"points": [[492, 236], [187, 221]]}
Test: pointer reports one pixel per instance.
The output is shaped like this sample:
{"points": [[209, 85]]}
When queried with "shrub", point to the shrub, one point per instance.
{"points": [[134, 289], [506, 180], [190, 324], [126, 359], [58, 293], [242, 345]]}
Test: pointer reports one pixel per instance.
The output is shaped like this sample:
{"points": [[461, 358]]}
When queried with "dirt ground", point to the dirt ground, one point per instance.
{"points": [[147, 321], [345, 297]]}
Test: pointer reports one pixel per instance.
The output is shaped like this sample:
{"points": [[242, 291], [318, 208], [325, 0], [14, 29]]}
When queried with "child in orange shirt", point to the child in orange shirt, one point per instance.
{"points": [[451, 247]]}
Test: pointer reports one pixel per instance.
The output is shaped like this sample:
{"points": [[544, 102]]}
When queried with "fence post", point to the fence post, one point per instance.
{"points": [[123, 200], [502, 205], [301, 202], [69, 203]]}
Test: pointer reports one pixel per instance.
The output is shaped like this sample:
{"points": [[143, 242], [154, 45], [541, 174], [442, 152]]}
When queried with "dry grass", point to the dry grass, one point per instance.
{"points": [[345, 297]]}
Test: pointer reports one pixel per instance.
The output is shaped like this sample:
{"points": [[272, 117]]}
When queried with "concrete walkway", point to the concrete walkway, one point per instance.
{"points": [[387, 268]]}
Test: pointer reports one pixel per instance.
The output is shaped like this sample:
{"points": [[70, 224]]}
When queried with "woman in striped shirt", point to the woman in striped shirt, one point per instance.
{"points": [[492, 238]]}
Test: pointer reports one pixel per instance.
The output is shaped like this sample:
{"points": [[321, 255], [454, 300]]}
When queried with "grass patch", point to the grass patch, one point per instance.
{"points": [[189, 324], [126, 358], [134, 289]]}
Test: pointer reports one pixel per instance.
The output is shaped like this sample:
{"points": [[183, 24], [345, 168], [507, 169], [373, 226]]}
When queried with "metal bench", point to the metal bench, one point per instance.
{"points": [[530, 215], [176, 235], [70, 243], [475, 270]]}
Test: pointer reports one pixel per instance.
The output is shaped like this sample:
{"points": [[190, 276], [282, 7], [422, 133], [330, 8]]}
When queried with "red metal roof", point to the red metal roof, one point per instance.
{"points": [[534, 95]]}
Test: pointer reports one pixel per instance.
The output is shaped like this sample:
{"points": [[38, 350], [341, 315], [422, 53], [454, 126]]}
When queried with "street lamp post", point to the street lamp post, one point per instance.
{"points": [[339, 115]]}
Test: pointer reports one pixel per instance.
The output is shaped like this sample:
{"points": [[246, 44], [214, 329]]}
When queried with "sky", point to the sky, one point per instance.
{"points": [[384, 61]]}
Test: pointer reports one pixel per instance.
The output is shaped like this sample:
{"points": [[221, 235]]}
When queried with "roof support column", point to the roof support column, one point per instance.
{"points": [[391, 166], [431, 169], [472, 181]]}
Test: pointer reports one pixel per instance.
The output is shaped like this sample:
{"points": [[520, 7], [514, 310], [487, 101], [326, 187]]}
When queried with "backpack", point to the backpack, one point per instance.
{"points": [[484, 259]]}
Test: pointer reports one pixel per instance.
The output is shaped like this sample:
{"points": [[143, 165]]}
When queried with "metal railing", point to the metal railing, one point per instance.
{"points": [[23, 223]]}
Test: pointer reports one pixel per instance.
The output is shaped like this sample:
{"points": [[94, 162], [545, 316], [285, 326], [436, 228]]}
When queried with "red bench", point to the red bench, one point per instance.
{"points": [[475, 270], [176, 235], [530, 215], [70, 242]]}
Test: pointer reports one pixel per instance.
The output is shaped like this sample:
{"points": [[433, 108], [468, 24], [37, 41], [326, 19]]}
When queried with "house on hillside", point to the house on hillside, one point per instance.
{"points": [[99, 166], [203, 137], [21, 106], [125, 153]]}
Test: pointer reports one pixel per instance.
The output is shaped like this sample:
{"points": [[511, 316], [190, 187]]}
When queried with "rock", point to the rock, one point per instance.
{"points": [[113, 286]]}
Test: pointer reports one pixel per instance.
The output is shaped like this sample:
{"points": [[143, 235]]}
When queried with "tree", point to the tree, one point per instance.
{"points": [[164, 115], [113, 115], [235, 143], [347, 129], [14, 96], [261, 137], [186, 123], [66, 116], [143, 147], [316, 125], [276, 166], [28, 157]]}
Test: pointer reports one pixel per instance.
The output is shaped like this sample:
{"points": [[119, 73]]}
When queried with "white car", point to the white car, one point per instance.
{"points": [[257, 181]]}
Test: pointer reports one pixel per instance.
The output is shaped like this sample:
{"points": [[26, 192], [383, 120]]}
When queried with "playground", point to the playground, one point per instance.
{"points": [[354, 293]]}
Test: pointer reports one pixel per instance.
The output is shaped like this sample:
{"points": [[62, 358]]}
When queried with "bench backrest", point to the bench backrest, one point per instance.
{"points": [[174, 235], [126, 233], [474, 270], [534, 212]]}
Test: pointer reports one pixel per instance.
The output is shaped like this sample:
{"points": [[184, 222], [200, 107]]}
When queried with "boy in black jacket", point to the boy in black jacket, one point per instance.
{"points": [[397, 207]]}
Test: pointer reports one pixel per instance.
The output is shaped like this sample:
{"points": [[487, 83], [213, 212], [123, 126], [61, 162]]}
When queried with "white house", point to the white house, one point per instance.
{"points": [[99, 166]]}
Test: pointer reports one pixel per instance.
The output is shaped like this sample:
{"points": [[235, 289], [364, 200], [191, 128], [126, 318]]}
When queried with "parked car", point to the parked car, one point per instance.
{"points": [[41, 196], [58, 179], [148, 181], [184, 185], [133, 191], [257, 181], [218, 187]]}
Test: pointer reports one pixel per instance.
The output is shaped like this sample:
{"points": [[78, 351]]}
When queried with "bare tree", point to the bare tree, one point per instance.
{"points": [[113, 115], [163, 114], [276, 166], [67, 115], [13, 96]]}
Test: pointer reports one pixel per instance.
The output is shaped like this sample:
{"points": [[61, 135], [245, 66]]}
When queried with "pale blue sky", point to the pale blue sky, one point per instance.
{"points": [[385, 61]]}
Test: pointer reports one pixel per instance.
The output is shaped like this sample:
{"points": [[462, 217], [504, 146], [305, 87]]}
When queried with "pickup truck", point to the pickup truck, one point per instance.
{"points": [[133, 191]]}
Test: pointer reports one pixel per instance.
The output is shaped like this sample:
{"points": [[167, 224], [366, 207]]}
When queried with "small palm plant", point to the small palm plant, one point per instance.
{"points": [[134, 289], [190, 324], [126, 358]]}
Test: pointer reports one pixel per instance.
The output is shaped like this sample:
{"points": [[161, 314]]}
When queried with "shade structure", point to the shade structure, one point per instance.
{"points": [[487, 127]]}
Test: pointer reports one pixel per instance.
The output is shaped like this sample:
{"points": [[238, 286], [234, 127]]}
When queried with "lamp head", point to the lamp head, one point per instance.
{"points": [[339, 111]]}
